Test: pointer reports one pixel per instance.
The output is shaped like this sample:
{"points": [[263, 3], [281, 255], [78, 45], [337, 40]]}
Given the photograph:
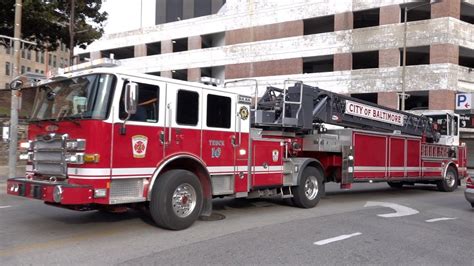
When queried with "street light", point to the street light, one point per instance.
{"points": [[403, 94]]}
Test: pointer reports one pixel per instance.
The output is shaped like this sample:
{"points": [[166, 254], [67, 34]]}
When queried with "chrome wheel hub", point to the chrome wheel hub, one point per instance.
{"points": [[184, 200], [450, 179], [311, 188]]}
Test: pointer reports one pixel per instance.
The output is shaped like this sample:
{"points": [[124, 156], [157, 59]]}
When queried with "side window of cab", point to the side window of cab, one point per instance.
{"points": [[147, 109]]}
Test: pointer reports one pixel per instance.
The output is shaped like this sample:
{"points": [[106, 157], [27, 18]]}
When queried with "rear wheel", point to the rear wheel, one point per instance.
{"points": [[450, 180], [310, 189], [395, 184], [176, 200]]}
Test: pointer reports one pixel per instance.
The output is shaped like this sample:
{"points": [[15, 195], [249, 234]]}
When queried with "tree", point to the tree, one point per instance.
{"points": [[47, 22]]}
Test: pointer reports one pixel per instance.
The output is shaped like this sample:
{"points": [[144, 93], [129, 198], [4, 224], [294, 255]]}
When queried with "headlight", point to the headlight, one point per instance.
{"points": [[75, 158], [76, 145]]}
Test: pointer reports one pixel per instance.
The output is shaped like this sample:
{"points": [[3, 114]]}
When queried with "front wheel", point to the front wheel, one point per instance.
{"points": [[176, 200], [310, 189], [450, 180]]}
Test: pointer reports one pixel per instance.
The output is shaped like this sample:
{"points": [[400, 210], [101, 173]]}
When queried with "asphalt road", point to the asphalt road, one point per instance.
{"points": [[340, 230]]}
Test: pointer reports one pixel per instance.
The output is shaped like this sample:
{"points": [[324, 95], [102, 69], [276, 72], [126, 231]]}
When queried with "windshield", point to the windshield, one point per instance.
{"points": [[80, 97]]}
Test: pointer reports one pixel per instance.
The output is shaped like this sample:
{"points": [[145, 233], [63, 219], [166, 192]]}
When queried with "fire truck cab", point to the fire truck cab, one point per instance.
{"points": [[107, 139]]}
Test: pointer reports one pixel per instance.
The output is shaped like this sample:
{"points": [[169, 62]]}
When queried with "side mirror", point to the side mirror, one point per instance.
{"points": [[131, 98], [16, 84]]}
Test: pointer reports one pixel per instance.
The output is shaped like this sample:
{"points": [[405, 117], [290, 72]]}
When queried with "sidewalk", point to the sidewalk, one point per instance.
{"points": [[20, 171]]}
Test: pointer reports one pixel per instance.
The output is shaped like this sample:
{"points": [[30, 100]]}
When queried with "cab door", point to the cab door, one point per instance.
{"points": [[136, 149], [181, 134]]}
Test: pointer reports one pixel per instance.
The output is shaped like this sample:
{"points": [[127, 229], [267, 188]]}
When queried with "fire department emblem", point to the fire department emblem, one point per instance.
{"points": [[275, 156], [139, 143], [244, 113]]}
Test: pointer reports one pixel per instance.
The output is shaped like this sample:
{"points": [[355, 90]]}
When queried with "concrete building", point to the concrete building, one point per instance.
{"points": [[31, 61], [346, 46]]}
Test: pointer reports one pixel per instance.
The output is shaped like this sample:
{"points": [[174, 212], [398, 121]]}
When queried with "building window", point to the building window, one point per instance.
{"points": [[218, 111], [50, 59], [28, 54], [41, 57], [36, 70], [7, 68], [202, 8], [174, 10], [42, 71], [466, 57], [8, 50], [365, 60], [213, 40], [7, 86], [414, 14], [367, 18], [467, 12], [187, 112], [180, 45], [368, 97], [23, 53], [318, 64], [23, 69], [28, 69], [54, 60], [181, 74], [419, 55], [37, 56], [417, 100], [318, 25], [153, 48], [120, 53]]}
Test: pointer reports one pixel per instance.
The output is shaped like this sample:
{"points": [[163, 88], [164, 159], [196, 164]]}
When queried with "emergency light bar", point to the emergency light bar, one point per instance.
{"points": [[102, 62]]}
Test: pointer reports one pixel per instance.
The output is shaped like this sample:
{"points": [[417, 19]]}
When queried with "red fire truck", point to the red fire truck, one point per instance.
{"points": [[103, 138]]}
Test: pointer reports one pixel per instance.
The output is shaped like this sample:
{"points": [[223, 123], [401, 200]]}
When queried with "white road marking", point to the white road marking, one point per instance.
{"points": [[337, 238], [4, 207], [440, 219], [400, 210]]}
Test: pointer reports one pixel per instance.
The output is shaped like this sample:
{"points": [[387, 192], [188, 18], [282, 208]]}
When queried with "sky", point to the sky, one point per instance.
{"points": [[124, 15]]}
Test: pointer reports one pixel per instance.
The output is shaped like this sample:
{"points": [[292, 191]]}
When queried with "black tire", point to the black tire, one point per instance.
{"points": [[395, 184], [306, 194], [168, 214], [449, 182]]}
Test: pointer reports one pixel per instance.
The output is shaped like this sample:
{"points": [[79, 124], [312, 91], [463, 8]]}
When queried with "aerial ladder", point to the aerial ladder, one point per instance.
{"points": [[301, 108]]}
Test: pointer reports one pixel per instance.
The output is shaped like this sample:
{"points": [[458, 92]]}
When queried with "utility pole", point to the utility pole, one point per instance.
{"points": [[16, 94], [71, 31]]}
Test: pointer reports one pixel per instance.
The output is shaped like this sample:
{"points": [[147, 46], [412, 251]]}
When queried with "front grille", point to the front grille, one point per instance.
{"points": [[49, 155]]}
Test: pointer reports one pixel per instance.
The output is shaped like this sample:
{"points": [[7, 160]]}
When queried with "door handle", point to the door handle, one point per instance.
{"points": [[162, 138]]}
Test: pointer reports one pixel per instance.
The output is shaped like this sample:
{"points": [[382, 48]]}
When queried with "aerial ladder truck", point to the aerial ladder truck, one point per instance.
{"points": [[103, 138]]}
